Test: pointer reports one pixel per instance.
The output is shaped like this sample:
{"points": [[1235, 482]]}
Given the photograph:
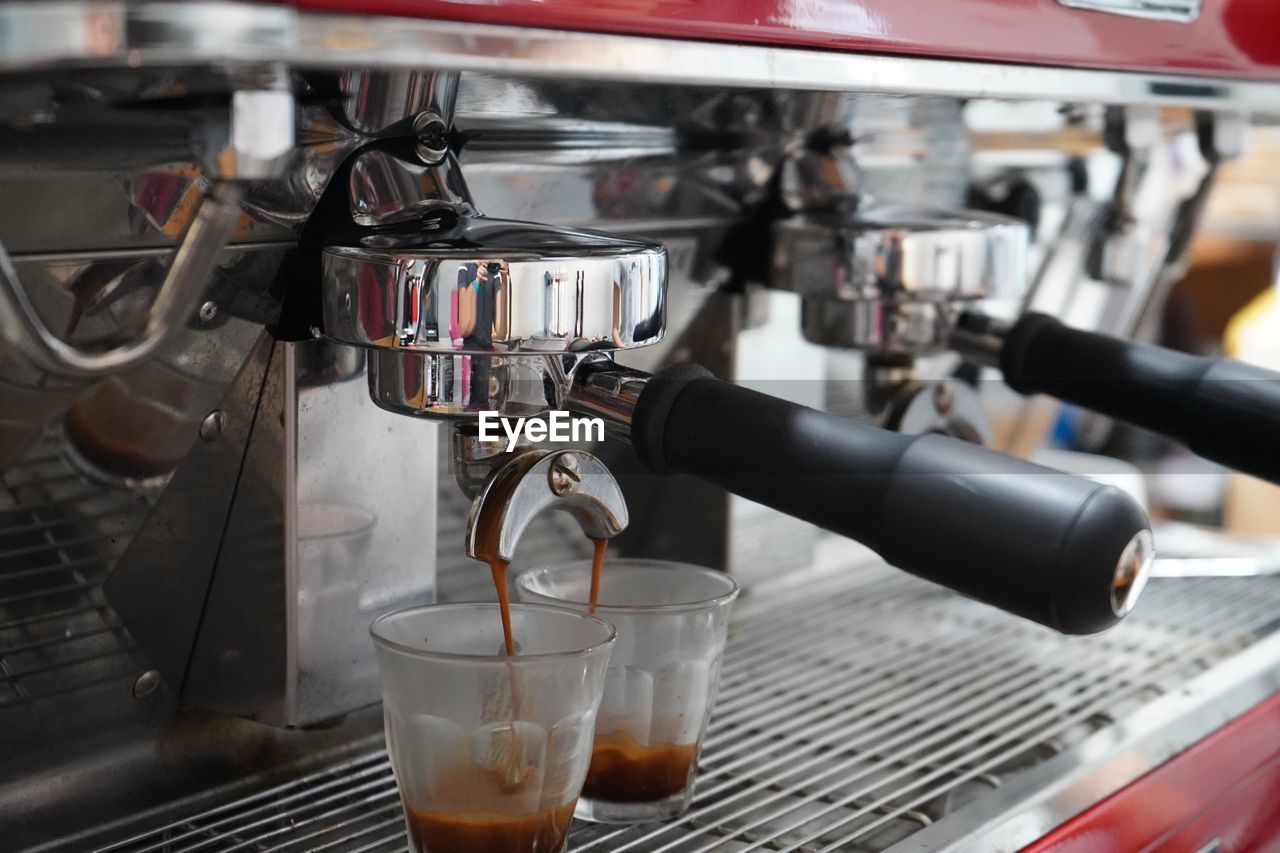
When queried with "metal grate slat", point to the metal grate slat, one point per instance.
{"points": [[854, 710], [59, 536], [907, 740]]}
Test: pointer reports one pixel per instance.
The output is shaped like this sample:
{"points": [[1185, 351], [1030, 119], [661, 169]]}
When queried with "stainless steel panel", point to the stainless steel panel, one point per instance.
{"points": [[160, 584], [861, 709], [138, 423], [333, 523]]}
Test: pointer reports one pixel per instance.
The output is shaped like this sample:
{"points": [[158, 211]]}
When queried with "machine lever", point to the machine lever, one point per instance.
{"points": [[1224, 410], [1052, 547]]}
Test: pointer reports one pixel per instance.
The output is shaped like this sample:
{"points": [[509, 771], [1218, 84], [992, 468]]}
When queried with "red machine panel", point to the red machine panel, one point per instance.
{"points": [[1225, 789], [1235, 37]]}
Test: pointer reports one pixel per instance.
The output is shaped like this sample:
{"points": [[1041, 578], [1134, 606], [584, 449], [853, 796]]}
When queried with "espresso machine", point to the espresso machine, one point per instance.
{"points": [[271, 275]]}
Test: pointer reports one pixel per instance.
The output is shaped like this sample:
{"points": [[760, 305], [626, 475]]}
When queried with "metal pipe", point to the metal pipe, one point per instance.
{"points": [[183, 286]]}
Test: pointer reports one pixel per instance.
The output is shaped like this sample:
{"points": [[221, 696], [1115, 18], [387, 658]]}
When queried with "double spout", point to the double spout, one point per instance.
{"points": [[533, 482]]}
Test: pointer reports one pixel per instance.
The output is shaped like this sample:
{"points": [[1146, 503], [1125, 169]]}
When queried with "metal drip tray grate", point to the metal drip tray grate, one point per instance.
{"points": [[855, 711], [61, 646]]}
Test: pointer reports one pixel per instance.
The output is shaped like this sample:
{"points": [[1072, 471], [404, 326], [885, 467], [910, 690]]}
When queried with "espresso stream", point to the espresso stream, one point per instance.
{"points": [[597, 563]]}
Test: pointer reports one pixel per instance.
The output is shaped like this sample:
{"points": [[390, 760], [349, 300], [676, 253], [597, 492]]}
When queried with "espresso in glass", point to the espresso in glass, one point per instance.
{"points": [[490, 750], [672, 620]]}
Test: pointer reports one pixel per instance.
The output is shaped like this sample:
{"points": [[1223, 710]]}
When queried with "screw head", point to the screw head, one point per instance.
{"points": [[565, 474], [208, 311], [433, 139], [211, 426], [146, 684]]}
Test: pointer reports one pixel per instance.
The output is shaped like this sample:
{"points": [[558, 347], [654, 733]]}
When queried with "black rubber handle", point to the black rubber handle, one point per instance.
{"points": [[1032, 541], [1223, 410]]}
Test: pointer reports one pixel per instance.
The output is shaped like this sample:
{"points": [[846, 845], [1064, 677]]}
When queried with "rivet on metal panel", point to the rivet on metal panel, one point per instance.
{"points": [[146, 684], [211, 426]]}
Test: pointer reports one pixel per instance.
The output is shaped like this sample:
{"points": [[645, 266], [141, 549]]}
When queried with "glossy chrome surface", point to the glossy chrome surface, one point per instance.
{"points": [[883, 327], [890, 278], [460, 387], [284, 633], [603, 389], [484, 286], [259, 136], [383, 187], [1133, 570], [562, 128], [136, 424], [78, 32], [1142, 242], [886, 251], [386, 189], [174, 302], [380, 103], [1183, 11], [535, 481], [474, 460]]}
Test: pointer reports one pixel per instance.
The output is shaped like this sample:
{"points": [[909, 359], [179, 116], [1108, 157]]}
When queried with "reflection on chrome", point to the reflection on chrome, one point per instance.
{"points": [[1133, 570], [487, 286], [892, 278]]}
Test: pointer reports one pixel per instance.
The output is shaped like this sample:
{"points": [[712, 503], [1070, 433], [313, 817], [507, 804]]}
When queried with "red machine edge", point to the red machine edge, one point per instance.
{"points": [[1225, 788], [1236, 38]]}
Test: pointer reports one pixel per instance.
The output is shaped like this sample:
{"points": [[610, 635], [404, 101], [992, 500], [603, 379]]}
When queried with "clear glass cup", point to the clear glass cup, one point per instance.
{"points": [[489, 751], [672, 619]]}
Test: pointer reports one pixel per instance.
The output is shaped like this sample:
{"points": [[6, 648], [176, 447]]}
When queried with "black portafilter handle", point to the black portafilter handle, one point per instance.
{"points": [[1221, 409], [1060, 550]]}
